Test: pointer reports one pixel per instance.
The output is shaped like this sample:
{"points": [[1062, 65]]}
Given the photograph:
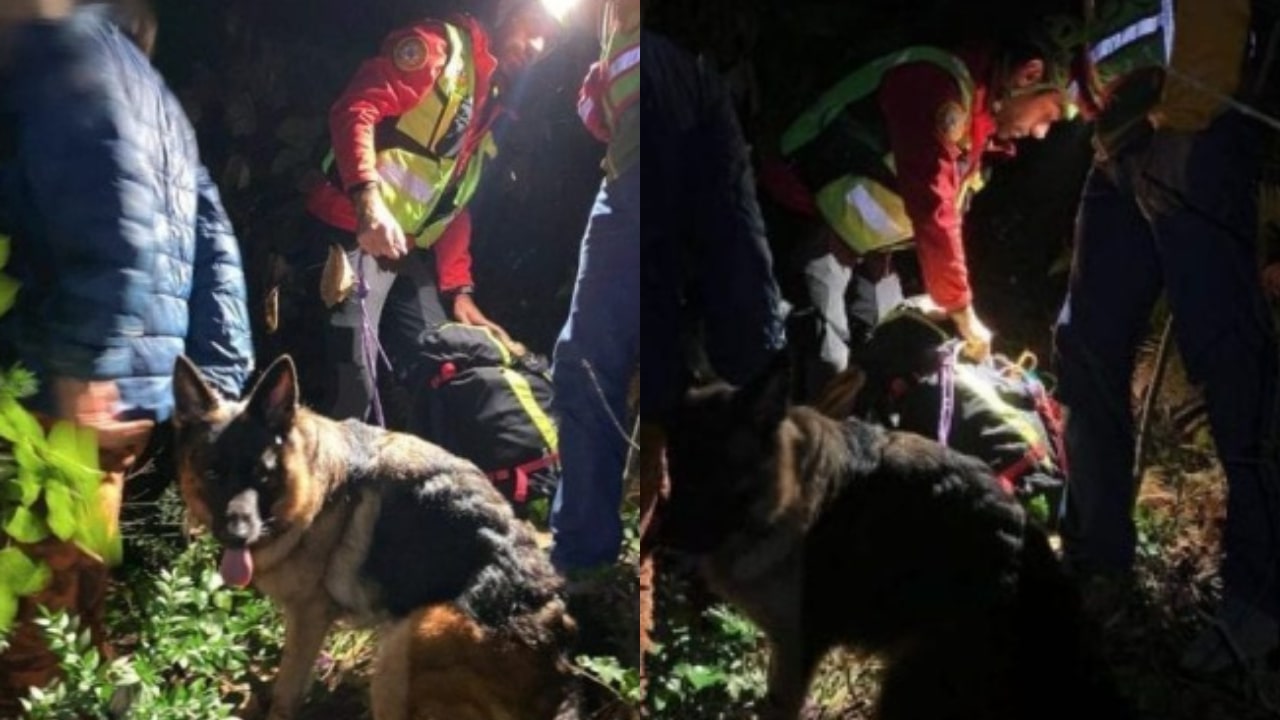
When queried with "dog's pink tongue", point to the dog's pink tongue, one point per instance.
{"points": [[237, 567]]}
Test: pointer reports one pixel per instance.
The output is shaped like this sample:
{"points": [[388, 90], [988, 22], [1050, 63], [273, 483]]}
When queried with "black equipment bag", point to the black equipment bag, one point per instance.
{"points": [[473, 397], [997, 411]]}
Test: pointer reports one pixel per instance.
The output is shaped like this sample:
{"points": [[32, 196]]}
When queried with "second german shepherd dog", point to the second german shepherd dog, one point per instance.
{"points": [[343, 520], [828, 533]]}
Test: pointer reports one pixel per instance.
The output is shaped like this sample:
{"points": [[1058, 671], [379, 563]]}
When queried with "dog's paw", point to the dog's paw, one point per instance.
{"points": [[252, 701]]}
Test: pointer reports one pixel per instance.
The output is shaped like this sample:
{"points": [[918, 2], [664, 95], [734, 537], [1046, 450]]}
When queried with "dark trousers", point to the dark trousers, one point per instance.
{"points": [[402, 302], [706, 274], [1177, 214], [595, 359]]}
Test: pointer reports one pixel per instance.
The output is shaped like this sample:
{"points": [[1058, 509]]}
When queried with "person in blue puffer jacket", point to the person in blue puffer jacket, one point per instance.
{"points": [[126, 256], [124, 252]]}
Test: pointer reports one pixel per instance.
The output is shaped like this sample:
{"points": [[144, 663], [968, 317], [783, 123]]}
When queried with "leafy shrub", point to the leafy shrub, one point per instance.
{"points": [[710, 666], [195, 644], [48, 484]]}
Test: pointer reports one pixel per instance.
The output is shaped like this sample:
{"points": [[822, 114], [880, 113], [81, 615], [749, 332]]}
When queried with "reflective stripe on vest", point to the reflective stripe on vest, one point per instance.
{"points": [[586, 106], [412, 183], [865, 81], [1111, 44], [875, 214], [524, 395], [969, 377], [622, 85], [1133, 35], [865, 213]]}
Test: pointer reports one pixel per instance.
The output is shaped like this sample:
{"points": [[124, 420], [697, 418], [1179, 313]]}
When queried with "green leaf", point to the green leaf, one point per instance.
{"points": [[26, 456], [20, 574], [700, 676], [8, 608], [87, 448], [95, 538], [8, 292], [28, 486], [5, 242], [25, 526], [61, 505], [62, 439], [23, 423], [8, 431], [18, 382], [74, 454]]}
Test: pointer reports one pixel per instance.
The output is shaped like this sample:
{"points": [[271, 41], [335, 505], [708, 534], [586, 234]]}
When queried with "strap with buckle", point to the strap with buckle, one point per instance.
{"points": [[521, 473]]}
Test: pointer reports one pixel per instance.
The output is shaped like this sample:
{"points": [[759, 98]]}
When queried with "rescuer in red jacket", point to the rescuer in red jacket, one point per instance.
{"points": [[890, 156], [410, 137]]}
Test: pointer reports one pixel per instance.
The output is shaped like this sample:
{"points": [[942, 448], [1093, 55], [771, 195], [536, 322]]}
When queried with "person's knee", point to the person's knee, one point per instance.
{"points": [[567, 365], [598, 362], [1089, 364]]}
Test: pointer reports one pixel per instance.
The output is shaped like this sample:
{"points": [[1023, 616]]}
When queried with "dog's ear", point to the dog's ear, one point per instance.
{"points": [[274, 400], [193, 399], [767, 397]]}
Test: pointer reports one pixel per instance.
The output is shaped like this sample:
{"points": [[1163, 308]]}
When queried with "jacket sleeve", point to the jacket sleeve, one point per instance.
{"points": [[1208, 46], [219, 340], [86, 180], [591, 102], [383, 87], [913, 100], [453, 254]]}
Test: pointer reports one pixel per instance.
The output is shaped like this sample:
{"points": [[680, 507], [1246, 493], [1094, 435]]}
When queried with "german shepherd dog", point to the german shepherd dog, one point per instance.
{"points": [[828, 533], [343, 520]]}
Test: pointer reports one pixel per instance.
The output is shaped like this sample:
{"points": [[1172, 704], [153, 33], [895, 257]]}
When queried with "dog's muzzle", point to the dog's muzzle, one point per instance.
{"points": [[241, 519]]}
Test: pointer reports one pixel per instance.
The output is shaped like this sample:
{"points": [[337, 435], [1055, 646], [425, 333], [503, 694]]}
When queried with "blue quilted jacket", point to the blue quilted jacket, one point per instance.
{"points": [[125, 254]]}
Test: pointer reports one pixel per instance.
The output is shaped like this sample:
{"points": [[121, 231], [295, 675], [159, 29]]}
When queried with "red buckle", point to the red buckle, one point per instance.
{"points": [[520, 492], [447, 372]]}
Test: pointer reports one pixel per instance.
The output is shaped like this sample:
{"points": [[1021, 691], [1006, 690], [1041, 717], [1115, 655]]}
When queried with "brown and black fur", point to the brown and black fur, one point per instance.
{"points": [[830, 533], [346, 520]]}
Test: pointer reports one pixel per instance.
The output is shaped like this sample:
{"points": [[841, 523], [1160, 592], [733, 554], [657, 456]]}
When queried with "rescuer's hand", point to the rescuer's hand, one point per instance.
{"points": [[377, 231], [466, 312], [977, 338], [95, 404]]}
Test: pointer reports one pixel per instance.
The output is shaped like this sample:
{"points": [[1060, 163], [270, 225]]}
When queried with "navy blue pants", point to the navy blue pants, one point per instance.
{"points": [[594, 360], [1176, 214], [704, 260], [707, 285]]}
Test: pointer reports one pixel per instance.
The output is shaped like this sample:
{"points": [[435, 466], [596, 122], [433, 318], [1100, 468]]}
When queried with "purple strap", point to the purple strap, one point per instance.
{"points": [[947, 385], [370, 348]]}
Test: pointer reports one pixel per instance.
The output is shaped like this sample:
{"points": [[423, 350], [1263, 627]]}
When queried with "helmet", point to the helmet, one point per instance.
{"points": [[1055, 40]]}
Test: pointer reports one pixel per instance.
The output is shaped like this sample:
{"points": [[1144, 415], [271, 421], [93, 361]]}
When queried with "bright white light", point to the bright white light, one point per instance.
{"points": [[559, 8]]}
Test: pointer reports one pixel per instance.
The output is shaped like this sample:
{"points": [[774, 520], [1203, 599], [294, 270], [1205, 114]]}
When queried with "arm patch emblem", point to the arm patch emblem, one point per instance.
{"points": [[410, 54]]}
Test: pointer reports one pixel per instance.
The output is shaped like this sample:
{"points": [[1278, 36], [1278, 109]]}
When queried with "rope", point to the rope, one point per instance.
{"points": [[947, 383], [1143, 443], [604, 402], [1243, 108], [370, 348]]}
